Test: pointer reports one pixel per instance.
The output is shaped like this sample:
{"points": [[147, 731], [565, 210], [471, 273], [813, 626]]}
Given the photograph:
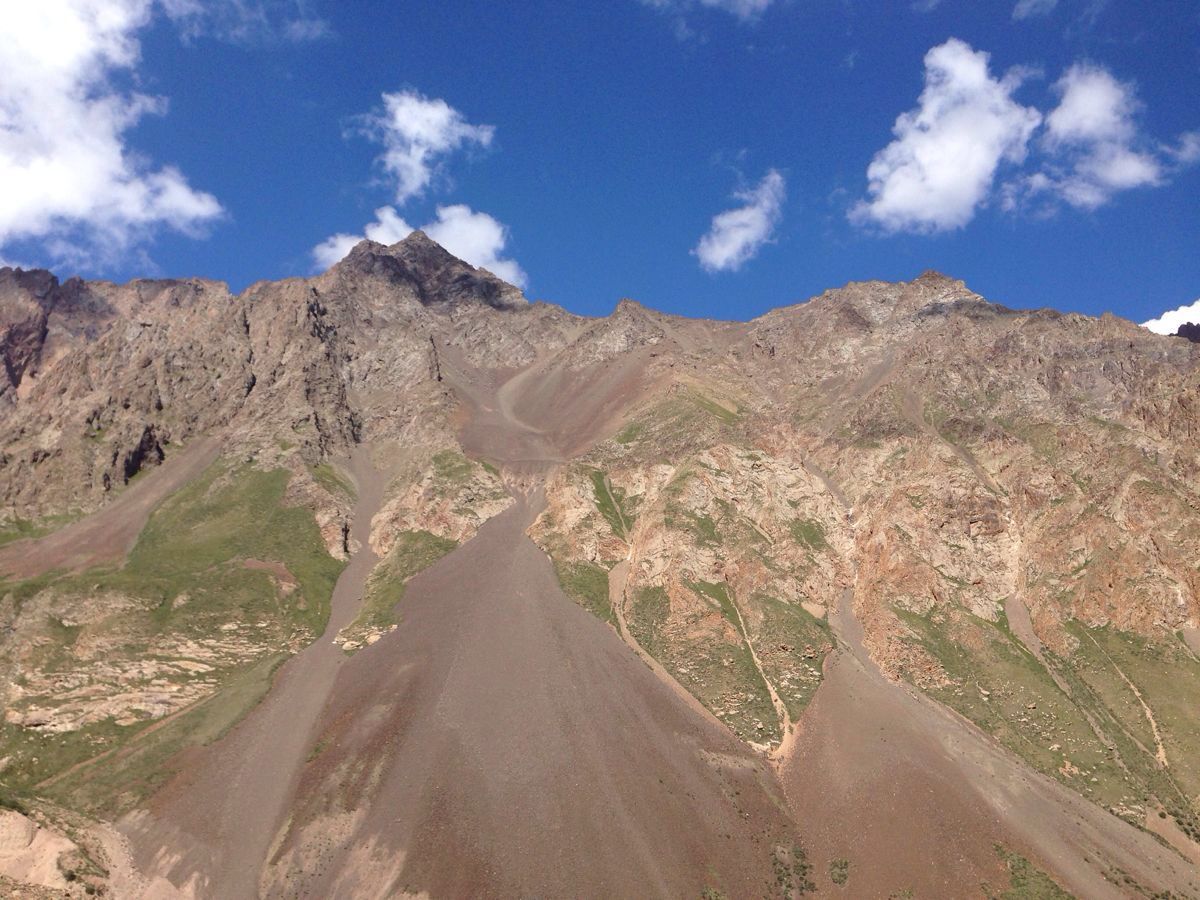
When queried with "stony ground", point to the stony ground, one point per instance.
{"points": [[892, 494]]}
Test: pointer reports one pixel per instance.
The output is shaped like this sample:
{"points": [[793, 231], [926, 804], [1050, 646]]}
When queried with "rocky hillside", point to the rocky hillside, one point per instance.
{"points": [[1005, 500]]}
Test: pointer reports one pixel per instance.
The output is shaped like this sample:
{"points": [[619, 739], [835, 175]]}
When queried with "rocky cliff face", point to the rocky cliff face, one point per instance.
{"points": [[1007, 497]]}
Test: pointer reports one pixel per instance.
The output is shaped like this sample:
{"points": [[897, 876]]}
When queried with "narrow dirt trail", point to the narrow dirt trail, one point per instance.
{"points": [[1160, 752], [781, 714], [210, 828]]}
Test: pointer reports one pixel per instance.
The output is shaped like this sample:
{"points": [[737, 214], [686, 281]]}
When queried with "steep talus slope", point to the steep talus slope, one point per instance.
{"points": [[897, 553]]}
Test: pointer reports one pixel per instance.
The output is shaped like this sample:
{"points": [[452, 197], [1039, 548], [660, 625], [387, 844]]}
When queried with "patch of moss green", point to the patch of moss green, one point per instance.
{"points": [[141, 758], [187, 578], [1026, 881], [788, 630], [648, 612], [713, 408], [715, 672], [809, 532], [631, 433], [452, 466], [613, 504], [333, 480], [20, 529], [587, 584], [413, 552], [1003, 688], [701, 527]]}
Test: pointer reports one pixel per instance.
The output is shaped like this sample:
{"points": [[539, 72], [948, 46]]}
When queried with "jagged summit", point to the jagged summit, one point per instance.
{"points": [[432, 272]]}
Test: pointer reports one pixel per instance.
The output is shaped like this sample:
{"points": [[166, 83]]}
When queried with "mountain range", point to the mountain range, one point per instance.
{"points": [[390, 582]]}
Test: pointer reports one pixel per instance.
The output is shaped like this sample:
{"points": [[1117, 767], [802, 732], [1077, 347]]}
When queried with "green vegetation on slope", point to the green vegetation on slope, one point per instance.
{"points": [[413, 552], [587, 584], [1026, 881], [1095, 737], [333, 480], [185, 595], [613, 504]]}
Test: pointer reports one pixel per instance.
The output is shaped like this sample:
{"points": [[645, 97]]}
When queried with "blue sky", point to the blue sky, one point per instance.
{"points": [[706, 157]]}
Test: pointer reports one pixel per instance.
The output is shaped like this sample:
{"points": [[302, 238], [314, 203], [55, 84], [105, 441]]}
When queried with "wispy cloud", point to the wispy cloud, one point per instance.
{"points": [[742, 10], [417, 134], [737, 235], [1032, 9], [247, 21]]}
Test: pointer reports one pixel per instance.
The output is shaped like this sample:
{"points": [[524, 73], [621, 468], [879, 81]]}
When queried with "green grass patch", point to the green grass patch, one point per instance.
{"points": [[413, 552], [612, 503], [452, 466], [1002, 687], [21, 529], [333, 480], [143, 757], [586, 584], [839, 871], [701, 527], [788, 631], [713, 408], [187, 580], [648, 612], [631, 433], [809, 532], [1026, 881]]}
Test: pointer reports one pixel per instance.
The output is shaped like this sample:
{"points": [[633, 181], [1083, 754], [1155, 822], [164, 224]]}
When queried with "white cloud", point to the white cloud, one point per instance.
{"points": [[1094, 139], [472, 236], [417, 133], [247, 21], [1029, 9], [737, 234], [1187, 150], [943, 162], [67, 176], [743, 10], [942, 166], [1093, 148], [1169, 322]]}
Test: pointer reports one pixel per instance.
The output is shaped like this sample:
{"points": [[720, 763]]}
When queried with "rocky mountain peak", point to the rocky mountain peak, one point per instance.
{"points": [[433, 274]]}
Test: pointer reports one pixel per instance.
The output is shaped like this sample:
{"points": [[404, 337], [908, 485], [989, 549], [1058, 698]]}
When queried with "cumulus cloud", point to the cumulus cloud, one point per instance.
{"points": [[942, 164], [1094, 140], [472, 236], [67, 175], [1030, 9], [417, 133], [247, 21], [737, 234], [1169, 322]]}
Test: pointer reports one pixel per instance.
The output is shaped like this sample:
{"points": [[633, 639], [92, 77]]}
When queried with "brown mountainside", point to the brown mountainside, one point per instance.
{"points": [[892, 590]]}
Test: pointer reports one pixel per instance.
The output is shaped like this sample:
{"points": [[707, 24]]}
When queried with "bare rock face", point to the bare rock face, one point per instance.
{"points": [[1004, 501], [1189, 331]]}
